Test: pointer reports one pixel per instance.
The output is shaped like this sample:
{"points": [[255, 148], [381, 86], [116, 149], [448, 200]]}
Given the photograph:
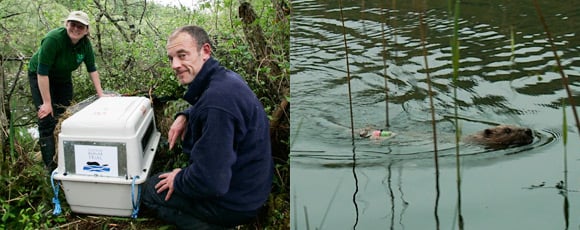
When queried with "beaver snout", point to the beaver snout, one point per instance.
{"points": [[527, 138], [529, 132]]}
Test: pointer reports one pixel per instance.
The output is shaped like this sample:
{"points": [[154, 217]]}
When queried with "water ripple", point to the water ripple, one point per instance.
{"points": [[497, 80]]}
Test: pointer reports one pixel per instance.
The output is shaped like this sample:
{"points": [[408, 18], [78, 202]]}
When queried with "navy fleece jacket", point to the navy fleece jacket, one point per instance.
{"points": [[227, 140]]}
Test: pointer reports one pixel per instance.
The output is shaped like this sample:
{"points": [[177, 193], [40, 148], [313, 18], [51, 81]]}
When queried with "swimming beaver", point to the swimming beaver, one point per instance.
{"points": [[502, 136]]}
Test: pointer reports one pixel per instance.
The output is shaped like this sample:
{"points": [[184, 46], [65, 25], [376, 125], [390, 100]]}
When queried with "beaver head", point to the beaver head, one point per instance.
{"points": [[364, 133], [502, 136]]}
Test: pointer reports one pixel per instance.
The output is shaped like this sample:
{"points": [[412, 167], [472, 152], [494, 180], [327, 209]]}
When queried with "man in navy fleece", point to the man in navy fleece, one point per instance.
{"points": [[225, 133]]}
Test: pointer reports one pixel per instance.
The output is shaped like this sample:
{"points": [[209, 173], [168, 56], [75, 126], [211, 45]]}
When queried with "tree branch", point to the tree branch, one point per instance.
{"points": [[10, 15], [9, 96], [104, 12]]}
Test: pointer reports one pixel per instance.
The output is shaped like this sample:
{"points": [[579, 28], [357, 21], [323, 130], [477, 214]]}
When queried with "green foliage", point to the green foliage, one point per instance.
{"points": [[25, 204]]}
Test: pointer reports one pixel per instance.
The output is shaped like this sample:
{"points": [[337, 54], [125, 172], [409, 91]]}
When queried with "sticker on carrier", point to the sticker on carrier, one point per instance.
{"points": [[96, 160]]}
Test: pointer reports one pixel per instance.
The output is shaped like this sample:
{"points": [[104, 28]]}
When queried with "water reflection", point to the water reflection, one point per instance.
{"points": [[507, 76]]}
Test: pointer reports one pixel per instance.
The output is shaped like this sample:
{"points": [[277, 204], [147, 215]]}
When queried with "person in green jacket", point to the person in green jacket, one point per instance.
{"points": [[61, 51]]}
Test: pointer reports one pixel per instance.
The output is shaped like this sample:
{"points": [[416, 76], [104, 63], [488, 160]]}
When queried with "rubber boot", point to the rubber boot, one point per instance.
{"points": [[47, 149]]}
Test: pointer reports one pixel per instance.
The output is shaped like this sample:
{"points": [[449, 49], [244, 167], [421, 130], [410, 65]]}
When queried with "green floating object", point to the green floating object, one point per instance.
{"points": [[382, 133]]}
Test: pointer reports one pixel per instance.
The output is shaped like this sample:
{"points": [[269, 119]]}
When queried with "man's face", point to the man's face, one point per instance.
{"points": [[185, 57]]}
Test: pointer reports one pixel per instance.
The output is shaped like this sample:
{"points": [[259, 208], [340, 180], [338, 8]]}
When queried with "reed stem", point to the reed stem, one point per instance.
{"points": [[422, 29], [351, 114], [565, 186], [512, 44], [385, 67], [455, 63], [565, 141], [347, 73], [559, 65]]}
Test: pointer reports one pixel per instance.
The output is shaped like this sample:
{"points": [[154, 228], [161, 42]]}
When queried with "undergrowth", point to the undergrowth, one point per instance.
{"points": [[26, 195]]}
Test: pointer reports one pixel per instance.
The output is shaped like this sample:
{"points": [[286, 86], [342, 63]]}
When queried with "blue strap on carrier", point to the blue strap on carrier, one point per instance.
{"points": [[57, 209], [133, 201]]}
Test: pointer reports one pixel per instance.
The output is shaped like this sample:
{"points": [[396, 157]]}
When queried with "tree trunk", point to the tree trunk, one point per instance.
{"points": [[255, 37], [265, 57], [263, 53], [282, 9]]}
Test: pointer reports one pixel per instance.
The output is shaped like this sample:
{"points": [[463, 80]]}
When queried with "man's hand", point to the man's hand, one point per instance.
{"points": [[166, 183], [177, 130], [107, 95], [45, 110]]}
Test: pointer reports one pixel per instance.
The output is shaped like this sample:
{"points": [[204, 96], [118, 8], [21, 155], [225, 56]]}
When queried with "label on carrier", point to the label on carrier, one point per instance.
{"points": [[107, 159], [96, 160]]}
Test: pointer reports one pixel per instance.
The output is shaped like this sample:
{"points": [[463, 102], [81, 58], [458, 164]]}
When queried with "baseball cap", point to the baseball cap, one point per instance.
{"points": [[78, 16]]}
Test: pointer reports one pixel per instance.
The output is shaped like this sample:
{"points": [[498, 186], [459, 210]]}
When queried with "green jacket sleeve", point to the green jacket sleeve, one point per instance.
{"points": [[46, 55], [90, 58]]}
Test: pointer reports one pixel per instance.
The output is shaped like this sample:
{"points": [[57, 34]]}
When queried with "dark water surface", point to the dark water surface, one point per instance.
{"points": [[508, 75]]}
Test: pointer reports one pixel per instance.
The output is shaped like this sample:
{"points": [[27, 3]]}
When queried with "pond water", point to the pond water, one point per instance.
{"points": [[508, 75]]}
